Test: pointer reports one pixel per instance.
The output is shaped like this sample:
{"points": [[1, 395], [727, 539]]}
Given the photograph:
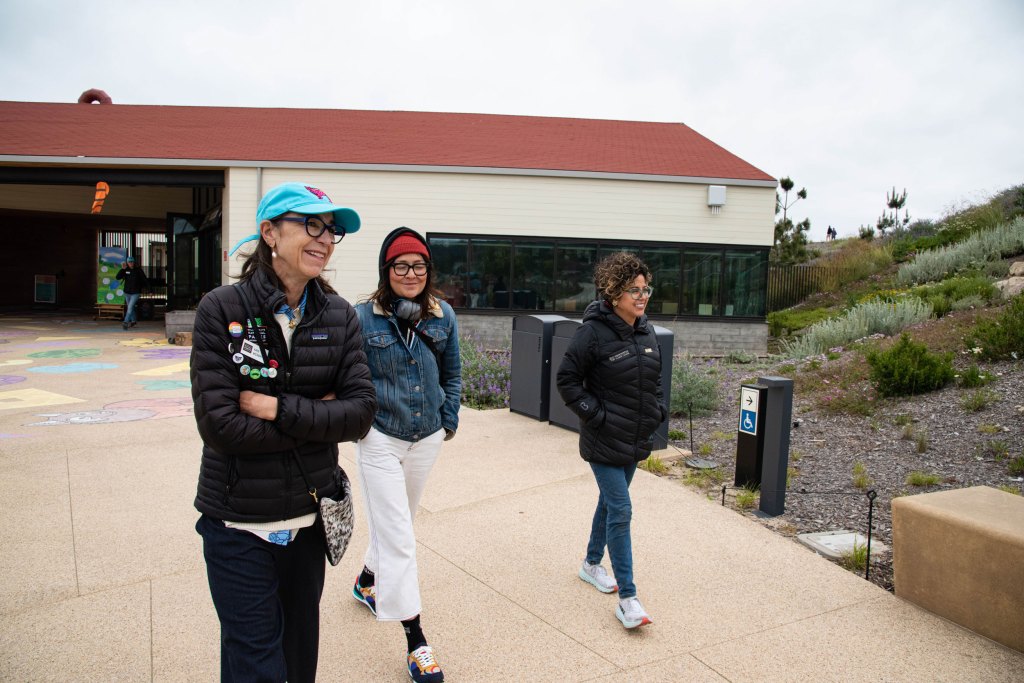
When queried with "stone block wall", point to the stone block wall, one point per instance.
{"points": [[691, 337]]}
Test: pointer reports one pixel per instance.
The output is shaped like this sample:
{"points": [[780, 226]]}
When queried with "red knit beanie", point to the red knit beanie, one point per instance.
{"points": [[406, 244]]}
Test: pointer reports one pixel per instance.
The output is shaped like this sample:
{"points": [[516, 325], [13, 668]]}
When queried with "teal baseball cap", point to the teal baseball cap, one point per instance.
{"points": [[300, 198]]}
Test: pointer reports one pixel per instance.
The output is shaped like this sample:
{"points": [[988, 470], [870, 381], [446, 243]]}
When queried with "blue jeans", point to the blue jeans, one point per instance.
{"points": [[611, 524], [131, 300], [268, 600]]}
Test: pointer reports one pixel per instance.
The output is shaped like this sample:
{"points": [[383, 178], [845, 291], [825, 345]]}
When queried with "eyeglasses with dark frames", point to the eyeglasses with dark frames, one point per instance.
{"points": [[315, 227], [402, 269], [637, 292]]}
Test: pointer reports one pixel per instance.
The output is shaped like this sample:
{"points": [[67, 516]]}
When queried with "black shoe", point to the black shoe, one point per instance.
{"points": [[132, 324], [124, 326]]}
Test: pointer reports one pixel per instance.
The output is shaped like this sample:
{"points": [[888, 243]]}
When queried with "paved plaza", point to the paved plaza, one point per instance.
{"points": [[102, 577]]}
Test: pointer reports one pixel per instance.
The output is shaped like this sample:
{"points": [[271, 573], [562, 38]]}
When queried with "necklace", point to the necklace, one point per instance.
{"points": [[290, 313]]}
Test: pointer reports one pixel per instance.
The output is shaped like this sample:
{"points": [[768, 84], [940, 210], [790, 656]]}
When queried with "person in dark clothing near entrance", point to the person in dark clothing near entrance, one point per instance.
{"points": [[610, 377], [134, 282], [279, 377]]}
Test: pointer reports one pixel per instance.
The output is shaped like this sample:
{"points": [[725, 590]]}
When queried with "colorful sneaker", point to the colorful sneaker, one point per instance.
{"points": [[367, 596], [631, 613], [596, 576], [423, 668]]}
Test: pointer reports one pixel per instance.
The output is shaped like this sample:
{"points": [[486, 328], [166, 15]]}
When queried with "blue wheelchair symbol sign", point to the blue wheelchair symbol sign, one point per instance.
{"points": [[748, 422]]}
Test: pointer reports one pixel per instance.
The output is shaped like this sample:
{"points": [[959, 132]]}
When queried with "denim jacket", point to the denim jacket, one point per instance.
{"points": [[414, 399]]}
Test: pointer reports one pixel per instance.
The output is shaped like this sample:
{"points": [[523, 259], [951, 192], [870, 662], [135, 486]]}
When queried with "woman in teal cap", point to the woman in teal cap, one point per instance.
{"points": [[279, 377]]}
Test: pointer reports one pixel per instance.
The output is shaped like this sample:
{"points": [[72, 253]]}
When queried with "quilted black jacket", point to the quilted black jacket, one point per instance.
{"points": [[610, 377], [248, 471]]}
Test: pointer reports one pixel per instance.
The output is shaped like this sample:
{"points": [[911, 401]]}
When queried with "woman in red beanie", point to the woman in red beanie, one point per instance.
{"points": [[411, 341]]}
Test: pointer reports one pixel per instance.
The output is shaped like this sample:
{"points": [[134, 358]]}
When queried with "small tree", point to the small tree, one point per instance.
{"points": [[790, 238], [892, 221]]}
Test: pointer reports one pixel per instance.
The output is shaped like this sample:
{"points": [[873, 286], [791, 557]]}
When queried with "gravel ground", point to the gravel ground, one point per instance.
{"points": [[933, 433]]}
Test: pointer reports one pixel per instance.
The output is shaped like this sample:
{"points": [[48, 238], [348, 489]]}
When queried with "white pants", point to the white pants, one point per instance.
{"points": [[393, 474]]}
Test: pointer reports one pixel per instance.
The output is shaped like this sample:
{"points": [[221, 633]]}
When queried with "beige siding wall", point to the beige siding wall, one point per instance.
{"points": [[141, 202], [504, 205]]}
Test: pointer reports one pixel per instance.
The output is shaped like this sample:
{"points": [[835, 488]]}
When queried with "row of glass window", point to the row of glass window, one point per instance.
{"points": [[558, 276]]}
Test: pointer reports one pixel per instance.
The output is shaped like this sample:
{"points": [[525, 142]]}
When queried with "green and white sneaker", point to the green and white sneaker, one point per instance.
{"points": [[631, 613], [596, 576]]}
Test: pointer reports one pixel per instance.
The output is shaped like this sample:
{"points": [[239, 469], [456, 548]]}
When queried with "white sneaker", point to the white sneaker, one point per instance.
{"points": [[631, 613], [596, 576]]}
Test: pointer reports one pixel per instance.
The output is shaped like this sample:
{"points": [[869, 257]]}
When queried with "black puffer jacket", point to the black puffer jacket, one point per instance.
{"points": [[248, 471], [611, 378]]}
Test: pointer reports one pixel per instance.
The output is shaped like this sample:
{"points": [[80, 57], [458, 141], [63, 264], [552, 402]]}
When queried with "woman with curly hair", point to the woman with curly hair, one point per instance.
{"points": [[611, 378]]}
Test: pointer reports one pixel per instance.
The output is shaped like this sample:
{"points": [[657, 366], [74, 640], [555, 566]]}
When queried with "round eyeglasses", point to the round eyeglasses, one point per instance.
{"points": [[637, 292], [402, 269], [315, 227]]}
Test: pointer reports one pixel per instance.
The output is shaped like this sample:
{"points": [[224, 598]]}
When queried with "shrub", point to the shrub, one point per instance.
{"points": [[1016, 466], [921, 440], [998, 448], [945, 295], [977, 400], [861, 480], [784, 323], [486, 376], [973, 377], [856, 260], [973, 252], [676, 435], [923, 479], [654, 465], [855, 560], [908, 368], [1002, 337], [740, 357], [692, 387], [860, 321], [746, 497]]}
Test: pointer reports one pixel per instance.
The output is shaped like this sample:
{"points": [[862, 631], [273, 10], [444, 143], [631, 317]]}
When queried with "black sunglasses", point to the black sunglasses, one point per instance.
{"points": [[315, 227]]}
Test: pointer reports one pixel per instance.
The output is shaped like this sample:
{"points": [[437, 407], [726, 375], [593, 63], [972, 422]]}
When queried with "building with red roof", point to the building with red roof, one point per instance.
{"points": [[517, 208]]}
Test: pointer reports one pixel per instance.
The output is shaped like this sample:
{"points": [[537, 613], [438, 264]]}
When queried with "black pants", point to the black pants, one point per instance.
{"points": [[268, 600]]}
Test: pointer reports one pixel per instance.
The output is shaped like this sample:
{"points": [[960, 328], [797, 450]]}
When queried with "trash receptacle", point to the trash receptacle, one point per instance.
{"points": [[558, 413], [531, 361], [666, 342]]}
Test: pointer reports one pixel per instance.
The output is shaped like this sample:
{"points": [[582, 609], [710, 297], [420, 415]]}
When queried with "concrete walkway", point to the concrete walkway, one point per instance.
{"points": [[102, 577]]}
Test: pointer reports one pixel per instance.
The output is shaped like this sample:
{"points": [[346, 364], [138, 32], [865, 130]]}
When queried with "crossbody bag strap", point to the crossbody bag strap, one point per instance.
{"points": [[310, 489]]}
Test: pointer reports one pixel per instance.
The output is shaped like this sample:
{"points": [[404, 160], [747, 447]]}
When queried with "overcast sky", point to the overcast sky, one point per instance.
{"points": [[846, 98]]}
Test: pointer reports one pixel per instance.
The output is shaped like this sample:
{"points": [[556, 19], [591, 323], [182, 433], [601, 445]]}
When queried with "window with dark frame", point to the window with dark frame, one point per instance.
{"points": [[488, 273]]}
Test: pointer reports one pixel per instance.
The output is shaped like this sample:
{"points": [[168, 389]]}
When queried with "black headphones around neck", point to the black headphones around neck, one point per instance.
{"points": [[407, 310]]}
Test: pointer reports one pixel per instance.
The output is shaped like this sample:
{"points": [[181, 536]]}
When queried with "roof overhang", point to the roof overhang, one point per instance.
{"points": [[222, 164]]}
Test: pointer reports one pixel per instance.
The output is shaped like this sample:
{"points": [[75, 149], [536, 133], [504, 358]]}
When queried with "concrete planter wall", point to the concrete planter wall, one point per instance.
{"points": [[179, 321]]}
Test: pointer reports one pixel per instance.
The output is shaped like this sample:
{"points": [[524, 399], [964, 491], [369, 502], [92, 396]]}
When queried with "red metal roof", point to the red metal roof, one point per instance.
{"points": [[364, 137]]}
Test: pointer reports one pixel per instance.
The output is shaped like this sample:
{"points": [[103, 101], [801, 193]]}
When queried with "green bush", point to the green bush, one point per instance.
{"points": [[1003, 337], [908, 368], [692, 387], [972, 253], [973, 377], [784, 323], [887, 317], [946, 296]]}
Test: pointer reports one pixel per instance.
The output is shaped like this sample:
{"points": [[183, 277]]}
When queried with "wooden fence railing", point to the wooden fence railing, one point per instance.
{"points": [[789, 285]]}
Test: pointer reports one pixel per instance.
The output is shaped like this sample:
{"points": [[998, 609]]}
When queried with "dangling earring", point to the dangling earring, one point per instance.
{"points": [[273, 251]]}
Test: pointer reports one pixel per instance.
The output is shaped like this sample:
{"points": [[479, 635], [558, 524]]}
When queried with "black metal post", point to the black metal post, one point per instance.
{"points": [[871, 509], [723, 495], [689, 409]]}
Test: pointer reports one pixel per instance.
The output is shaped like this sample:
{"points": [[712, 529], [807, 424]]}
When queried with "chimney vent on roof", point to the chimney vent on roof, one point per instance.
{"points": [[95, 95]]}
